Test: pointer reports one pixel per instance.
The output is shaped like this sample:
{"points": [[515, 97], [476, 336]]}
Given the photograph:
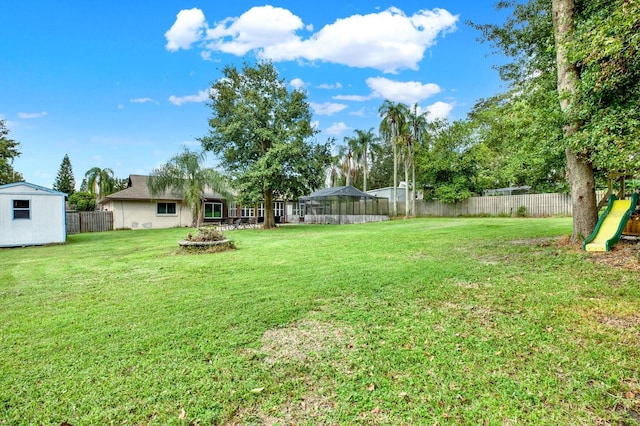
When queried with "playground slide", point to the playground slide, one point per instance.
{"points": [[610, 224]]}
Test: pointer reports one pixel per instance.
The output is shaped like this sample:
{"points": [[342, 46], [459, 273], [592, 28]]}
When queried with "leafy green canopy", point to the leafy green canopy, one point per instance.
{"points": [[82, 201], [259, 130], [605, 49]]}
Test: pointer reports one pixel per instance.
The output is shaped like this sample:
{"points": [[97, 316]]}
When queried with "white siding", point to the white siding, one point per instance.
{"points": [[142, 215], [46, 224]]}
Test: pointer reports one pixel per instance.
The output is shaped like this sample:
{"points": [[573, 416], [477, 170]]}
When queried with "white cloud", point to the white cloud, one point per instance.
{"points": [[297, 83], [187, 29], [353, 98], [330, 86], [260, 28], [439, 110], [327, 108], [27, 115], [142, 100], [388, 40], [202, 96], [336, 129], [358, 113], [407, 92]]}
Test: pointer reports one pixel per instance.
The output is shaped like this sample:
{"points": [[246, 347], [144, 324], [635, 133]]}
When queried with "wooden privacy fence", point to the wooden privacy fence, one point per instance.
{"points": [[89, 222], [532, 205]]}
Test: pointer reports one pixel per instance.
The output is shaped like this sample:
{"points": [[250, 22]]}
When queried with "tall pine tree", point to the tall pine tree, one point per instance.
{"points": [[65, 182]]}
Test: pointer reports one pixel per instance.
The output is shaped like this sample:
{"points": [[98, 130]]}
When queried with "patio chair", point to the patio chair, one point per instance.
{"points": [[225, 224]]}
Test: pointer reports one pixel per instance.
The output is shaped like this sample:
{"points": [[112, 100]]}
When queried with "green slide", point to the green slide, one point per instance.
{"points": [[610, 224]]}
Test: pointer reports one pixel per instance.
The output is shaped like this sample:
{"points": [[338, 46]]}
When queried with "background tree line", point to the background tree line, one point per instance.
{"points": [[567, 121]]}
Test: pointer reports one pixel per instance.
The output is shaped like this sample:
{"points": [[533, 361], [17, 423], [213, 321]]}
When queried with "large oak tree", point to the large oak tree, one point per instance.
{"points": [[261, 132]]}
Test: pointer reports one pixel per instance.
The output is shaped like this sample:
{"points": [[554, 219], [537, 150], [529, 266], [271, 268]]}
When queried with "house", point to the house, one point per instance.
{"points": [[31, 215], [388, 193], [135, 208], [511, 190]]}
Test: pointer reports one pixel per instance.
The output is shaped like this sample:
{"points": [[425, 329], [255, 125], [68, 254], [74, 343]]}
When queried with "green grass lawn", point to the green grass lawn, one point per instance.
{"points": [[425, 321]]}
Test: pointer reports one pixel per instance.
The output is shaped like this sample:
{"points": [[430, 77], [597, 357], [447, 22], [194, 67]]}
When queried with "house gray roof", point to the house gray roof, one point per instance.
{"points": [[137, 189]]}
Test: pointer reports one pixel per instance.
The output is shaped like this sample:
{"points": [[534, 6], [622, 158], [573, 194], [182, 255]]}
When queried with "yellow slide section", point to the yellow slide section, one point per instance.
{"points": [[611, 224]]}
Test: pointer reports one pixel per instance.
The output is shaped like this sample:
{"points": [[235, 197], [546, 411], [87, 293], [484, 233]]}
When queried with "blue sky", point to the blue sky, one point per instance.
{"points": [[122, 84]]}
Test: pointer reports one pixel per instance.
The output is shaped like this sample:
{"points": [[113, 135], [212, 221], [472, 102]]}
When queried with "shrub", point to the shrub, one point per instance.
{"points": [[207, 233], [82, 201]]}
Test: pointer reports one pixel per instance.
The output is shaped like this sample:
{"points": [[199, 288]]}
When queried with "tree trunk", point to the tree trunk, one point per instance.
{"points": [[579, 169], [406, 186], [413, 185], [365, 170], [269, 219], [196, 219], [394, 208]]}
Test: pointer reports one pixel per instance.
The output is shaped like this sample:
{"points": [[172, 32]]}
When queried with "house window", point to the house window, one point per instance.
{"points": [[298, 209], [212, 210], [21, 209], [233, 210], [166, 208], [278, 209], [247, 212]]}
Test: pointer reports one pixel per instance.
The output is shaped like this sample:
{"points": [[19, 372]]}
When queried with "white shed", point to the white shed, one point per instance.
{"points": [[31, 215]]}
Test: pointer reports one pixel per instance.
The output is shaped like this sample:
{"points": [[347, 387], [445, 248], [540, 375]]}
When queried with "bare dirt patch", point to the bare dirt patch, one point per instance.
{"points": [[299, 341], [312, 409], [621, 322], [540, 242], [625, 254]]}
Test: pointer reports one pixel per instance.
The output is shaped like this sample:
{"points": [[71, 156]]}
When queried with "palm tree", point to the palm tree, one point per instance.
{"points": [[405, 152], [100, 182], [366, 147], [348, 164], [335, 170], [184, 176], [419, 131], [392, 116]]}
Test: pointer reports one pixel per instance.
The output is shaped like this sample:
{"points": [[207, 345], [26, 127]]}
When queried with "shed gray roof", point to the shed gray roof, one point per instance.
{"points": [[348, 191], [18, 186]]}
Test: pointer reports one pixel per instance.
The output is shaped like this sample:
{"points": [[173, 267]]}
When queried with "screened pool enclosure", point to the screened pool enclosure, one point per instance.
{"points": [[343, 204]]}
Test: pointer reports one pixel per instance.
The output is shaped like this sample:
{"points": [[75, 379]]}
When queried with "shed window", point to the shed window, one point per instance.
{"points": [[166, 208], [21, 209]]}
